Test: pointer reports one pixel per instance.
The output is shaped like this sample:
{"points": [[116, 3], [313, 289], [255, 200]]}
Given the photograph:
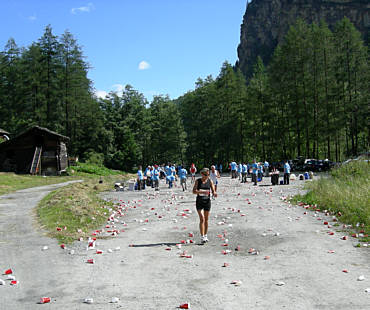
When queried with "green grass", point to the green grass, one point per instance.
{"points": [[10, 182], [83, 168], [77, 206], [346, 192]]}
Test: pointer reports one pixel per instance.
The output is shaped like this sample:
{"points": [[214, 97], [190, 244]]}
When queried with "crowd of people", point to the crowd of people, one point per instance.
{"points": [[172, 173]]}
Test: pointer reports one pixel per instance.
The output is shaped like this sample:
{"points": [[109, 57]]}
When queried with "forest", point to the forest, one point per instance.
{"points": [[311, 100]]}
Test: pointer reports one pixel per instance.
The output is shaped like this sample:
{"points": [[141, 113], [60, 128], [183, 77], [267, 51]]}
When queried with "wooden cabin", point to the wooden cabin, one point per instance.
{"points": [[38, 150]]}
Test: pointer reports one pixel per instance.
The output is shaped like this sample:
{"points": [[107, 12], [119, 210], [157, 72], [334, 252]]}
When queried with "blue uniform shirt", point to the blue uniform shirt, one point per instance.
{"points": [[245, 169], [183, 173], [140, 175], [155, 174], [286, 168], [255, 168], [233, 165]]}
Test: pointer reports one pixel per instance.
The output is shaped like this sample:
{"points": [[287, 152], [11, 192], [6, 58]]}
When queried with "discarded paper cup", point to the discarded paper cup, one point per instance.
{"points": [[14, 282], [114, 300], [185, 306], [9, 271], [90, 261], [44, 300], [88, 301]]}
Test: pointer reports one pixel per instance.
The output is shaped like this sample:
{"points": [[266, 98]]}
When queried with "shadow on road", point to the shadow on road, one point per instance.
{"points": [[153, 244]]}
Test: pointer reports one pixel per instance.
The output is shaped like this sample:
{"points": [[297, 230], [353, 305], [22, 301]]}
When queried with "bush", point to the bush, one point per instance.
{"points": [[94, 158], [346, 190], [93, 169]]}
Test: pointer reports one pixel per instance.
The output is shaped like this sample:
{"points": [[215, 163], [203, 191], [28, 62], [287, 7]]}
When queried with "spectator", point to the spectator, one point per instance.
{"points": [[286, 173]]}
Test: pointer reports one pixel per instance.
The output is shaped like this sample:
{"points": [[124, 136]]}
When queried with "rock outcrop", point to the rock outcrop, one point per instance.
{"points": [[266, 22]]}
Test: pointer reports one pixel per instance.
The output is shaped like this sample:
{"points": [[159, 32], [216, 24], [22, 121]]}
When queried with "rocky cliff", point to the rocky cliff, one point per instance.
{"points": [[266, 22]]}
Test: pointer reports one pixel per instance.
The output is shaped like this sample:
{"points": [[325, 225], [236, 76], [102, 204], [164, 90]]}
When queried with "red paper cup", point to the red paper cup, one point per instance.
{"points": [[185, 306], [9, 271], [14, 282], [90, 261], [44, 300]]}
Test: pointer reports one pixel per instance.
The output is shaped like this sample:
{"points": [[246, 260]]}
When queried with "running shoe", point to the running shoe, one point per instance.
{"points": [[205, 238]]}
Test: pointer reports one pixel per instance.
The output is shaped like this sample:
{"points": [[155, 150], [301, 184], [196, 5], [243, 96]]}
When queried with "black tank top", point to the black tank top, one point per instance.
{"points": [[204, 186]]}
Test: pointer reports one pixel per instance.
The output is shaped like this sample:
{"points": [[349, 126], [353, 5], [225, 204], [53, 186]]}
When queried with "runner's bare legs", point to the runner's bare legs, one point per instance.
{"points": [[206, 215], [201, 222]]}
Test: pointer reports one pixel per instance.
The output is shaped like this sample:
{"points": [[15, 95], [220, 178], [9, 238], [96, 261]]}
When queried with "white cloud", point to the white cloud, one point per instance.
{"points": [[101, 94], [118, 88], [143, 65], [32, 18], [88, 8]]}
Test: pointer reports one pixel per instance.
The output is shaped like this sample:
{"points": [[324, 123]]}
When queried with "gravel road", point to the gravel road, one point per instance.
{"points": [[295, 264]]}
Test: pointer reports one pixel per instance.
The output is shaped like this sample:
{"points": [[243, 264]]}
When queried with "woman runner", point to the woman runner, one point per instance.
{"points": [[202, 188]]}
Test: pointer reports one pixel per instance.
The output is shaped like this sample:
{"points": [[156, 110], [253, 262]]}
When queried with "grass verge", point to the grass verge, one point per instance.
{"points": [[77, 206], [345, 193], [10, 182]]}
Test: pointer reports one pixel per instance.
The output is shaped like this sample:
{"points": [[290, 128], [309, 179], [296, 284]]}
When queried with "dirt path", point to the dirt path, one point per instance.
{"points": [[150, 276]]}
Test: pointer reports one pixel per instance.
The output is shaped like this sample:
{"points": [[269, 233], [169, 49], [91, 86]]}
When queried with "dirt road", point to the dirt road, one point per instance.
{"points": [[299, 264]]}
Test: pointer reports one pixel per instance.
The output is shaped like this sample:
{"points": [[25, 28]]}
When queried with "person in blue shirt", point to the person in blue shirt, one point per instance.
{"points": [[260, 171], [173, 168], [170, 175], [266, 167], [183, 174], [286, 173], [233, 167], [167, 172], [254, 172], [220, 169], [155, 177], [140, 179], [239, 169], [244, 173]]}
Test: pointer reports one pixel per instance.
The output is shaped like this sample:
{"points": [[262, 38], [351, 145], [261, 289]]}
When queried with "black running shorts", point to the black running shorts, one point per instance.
{"points": [[203, 203]]}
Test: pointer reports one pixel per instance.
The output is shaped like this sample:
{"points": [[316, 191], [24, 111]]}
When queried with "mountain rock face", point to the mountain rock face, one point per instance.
{"points": [[266, 22]]}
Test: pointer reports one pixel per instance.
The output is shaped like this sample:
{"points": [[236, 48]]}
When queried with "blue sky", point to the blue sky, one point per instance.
{"points": [[157, 46]]}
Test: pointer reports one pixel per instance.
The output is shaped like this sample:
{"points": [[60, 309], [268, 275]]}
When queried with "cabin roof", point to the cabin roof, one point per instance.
{"points": [[34, 130]]}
